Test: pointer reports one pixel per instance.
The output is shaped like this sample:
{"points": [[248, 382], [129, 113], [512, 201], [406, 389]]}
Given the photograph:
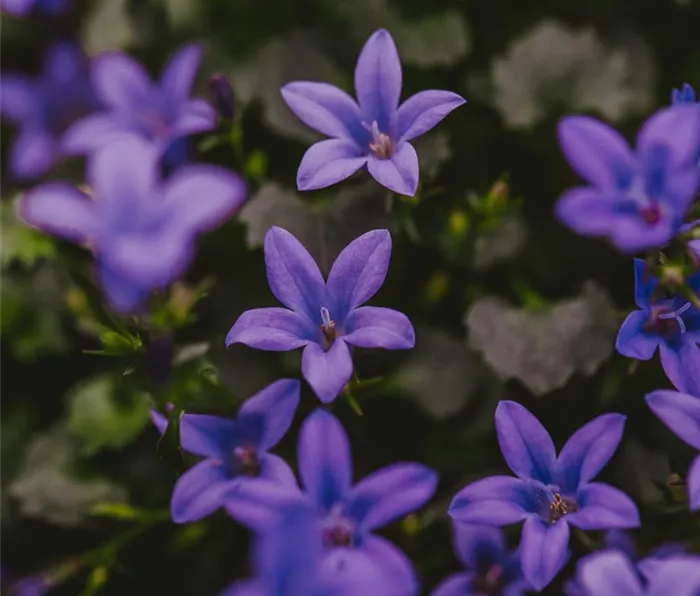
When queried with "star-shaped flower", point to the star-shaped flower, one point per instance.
{"points": [[377, 131], [637, 199], [324, 317], [549, 492]]}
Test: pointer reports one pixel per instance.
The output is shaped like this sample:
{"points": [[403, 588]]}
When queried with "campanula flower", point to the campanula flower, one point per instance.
{"points": [[637, 199], [686, 94], [490, 567], [45, 106], [23, 8], [235, 450], [141, 230], [549, 492], [681, 413], [611, 573], [672, 324], [376, 132], [160, 111], [324, 317]]}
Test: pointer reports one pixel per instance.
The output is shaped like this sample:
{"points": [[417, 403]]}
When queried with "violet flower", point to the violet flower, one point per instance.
{"points": [[159, 111], [672, 324], [611, 573], [490, 567], [376, 132], [549, 492], [45, 106], [681, 413], [235, 450], [324, 317], [23, 8], [142, 230], [637, 199], [686, 94]]}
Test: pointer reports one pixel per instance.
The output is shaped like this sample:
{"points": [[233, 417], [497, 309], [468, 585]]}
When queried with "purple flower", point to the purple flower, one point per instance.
{"points": [[23, 8], [158, 111], [491, 568], [35, 585], [681, 413], [377, 132], [45, 106], [324, 317], [549, 492], [635, 199], [672, 324], [235, 451], [611, 573], [221, 93], [141, 230], [686, 94]]}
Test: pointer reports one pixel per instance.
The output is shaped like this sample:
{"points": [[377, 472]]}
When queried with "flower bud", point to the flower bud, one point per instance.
{"points": [[222, 95]]}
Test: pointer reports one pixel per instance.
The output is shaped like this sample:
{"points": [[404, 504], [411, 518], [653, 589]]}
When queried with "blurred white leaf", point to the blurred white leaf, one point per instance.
{"points": [[501, 243], [433, 151], [108, 26]]}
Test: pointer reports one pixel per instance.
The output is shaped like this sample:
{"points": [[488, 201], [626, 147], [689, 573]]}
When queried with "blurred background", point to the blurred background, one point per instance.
{"points": [[507, 303]]}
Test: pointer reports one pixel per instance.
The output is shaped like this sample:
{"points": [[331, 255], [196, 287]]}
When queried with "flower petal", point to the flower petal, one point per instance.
{"points": [[644, 284], [693, 480], [602, 507], [199, 491], [587, 211], [390, 493], [119, 80], [681, 363], [420, 112], [179, 73], [679, 576], [328, 162], [32, 154], [17, 96], [205, 435], [597, 152], [376, 327], [90, 133], [122, 293], [525, 444], [475, 544], [398, 173], [195, 116], [588, 450], [277, 403], [494, 501], [358, 272], [61, 210], [327, 372], [458, 584], [378, 79], [544, 550], [679, 411], [274, 469], [260, 503], [633, 341], [325, 108], [293, 275], [676, 129], [609, 572], [274, 329], [325, 463], [629, 233]]}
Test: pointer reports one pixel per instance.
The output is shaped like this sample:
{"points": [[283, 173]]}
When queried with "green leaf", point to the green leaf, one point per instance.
{"points": [[21, 243], [121, 511]]}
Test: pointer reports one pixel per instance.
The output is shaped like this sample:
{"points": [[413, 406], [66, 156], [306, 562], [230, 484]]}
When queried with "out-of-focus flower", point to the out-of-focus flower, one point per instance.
{"points": [[490, 567], [23, 8], [324, 317], [159, 111], [142, 230], [686, 94], [636, 199], [672, 324], [35, 585], [549, 492], [45, 106], [235, 450], [222, 95], [376, 132], [681, 413]]}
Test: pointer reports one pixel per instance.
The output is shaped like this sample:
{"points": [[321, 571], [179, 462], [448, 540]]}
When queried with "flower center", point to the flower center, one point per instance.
{"points": [[327, 329], [337, 531], [648, 207], [664, 321], [651, 214], [490, 583], [246, 461], [380, 145], [561, 506]]}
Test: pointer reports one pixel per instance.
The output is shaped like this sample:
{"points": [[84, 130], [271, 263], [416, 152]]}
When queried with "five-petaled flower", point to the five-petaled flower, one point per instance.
{"points": [[324, 317], [45, 106], [376, 132], [681, 413], [235, 450], [141, 230], [549, 492], [636, 199], [490, 567], [672, 324], [160, 112]]}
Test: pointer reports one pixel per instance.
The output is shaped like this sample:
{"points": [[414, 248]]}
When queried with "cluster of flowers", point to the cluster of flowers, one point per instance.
{"points": [[319, 541]]}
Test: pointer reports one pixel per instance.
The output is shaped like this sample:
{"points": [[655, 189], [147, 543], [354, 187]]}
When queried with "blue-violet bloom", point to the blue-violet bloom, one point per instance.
{"points": [[672, 324], [549, 492], [686, 94], [637, 199], [324, 317], [22, 8], [235, 450], [45, 106], [490, 567], [141, 230], [376, 132]]}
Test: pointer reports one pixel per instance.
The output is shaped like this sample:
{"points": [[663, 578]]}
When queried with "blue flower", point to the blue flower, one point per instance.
{"points": [[23, 8], [549, 492], [672, 324], [686, 94], [235, 451], [376, 132]]}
